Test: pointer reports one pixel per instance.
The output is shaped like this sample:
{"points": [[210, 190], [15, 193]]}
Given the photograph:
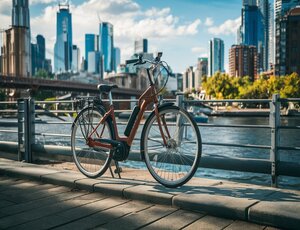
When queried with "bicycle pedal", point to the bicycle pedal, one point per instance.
{"points": [[118, 170]]}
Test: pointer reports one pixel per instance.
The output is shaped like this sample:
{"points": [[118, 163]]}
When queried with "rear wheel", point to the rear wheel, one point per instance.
{"points": [[172, 153], [91, 161]]}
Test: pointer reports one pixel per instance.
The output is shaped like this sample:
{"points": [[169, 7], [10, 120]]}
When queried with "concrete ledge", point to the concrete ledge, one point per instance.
{"points": [[154, 194], [224, 206], [281, 209], [62, 178]]}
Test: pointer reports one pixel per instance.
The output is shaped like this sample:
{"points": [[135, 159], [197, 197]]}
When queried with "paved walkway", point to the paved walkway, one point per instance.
{"points": [[234, 201]]}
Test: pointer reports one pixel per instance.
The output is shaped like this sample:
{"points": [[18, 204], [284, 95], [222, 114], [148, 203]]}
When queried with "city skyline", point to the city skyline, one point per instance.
{"points": [[166, 25]]}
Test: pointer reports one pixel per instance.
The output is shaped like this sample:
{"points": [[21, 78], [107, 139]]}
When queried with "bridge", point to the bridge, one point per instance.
{"points": [[57, 85]]}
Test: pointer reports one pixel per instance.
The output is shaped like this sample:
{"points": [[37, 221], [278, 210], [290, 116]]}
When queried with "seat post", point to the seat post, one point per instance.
{"points": [[110, 98]]}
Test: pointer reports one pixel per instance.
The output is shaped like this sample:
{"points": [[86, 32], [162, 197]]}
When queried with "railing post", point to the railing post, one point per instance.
{"points": [[179, 100], [20, 129], [274, 125], [29, 115]]}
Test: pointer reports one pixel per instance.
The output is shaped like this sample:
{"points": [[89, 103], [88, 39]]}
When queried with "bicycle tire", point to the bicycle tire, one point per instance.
{"points": [[167, 162], [91, 161]]}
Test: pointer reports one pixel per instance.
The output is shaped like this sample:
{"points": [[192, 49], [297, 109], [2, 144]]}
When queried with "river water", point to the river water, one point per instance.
{"points": [[253, 136]]}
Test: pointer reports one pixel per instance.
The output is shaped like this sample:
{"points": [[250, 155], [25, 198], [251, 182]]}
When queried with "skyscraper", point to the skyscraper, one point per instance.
{"points": [[243, 61], [63, 45], [117, 58], [91, 45], [282, 7], [141, 46], [106, 45], [216, 56], [20, 13], [16, 49], [41, 49], [256, 29], [292, 22], [75, 59]]}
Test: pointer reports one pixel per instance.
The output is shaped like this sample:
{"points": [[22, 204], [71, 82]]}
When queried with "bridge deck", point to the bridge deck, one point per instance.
{"points": [[33, 195]]}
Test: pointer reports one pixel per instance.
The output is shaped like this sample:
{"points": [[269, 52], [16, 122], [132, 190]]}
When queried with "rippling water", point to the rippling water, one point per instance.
{"points": [[256, 136]]}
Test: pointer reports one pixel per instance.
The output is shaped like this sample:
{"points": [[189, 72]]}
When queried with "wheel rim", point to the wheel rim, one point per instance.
{"points": [[90, 161], [175, 163]]}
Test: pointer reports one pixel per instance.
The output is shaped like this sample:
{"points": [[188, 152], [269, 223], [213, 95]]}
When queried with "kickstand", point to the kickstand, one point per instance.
{"points": [[111, 172], [118, 169]]}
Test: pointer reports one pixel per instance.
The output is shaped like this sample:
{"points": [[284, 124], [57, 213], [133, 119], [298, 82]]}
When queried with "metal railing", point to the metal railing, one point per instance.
{"points": [[32, 142]]}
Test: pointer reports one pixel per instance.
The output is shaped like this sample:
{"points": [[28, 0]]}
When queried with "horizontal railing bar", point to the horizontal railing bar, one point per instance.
{"points": [[52, 134], [8, 102], [234, 126], [289, 127], [53, 123], [237, 145], [228, 100], [289, 148], [8, 131], [8, 110], [55, 111], [289, 99]]}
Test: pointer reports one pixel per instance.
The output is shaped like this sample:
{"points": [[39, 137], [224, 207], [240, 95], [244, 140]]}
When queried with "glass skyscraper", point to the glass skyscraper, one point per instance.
{"points": [[106, 45], [216, 56], [282, 7], [117, 58], [91, 45], [63, 45]]}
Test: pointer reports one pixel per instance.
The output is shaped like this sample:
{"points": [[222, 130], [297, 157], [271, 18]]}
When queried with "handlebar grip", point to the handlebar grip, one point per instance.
{"points": [[132, 61]]}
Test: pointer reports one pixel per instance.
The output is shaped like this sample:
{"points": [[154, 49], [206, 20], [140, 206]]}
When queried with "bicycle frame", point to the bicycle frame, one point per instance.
{"points": [[148, 97]]}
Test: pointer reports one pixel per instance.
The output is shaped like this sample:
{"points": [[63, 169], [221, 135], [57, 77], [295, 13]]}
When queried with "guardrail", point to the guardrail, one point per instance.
{"points": [[32, 141]]}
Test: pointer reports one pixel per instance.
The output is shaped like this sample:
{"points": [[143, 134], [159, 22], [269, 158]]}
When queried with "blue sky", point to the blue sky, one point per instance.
{"points": [[179, 28]]}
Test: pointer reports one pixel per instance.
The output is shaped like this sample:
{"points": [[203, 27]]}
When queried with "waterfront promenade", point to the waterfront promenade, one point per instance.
{"points": [[234, 205]]}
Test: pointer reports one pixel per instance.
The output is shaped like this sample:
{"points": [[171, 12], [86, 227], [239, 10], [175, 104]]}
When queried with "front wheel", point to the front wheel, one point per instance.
{"points": [[91, 161], [171, 146]]}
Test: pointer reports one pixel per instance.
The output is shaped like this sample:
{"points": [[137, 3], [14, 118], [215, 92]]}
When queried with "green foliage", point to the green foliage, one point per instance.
{"points": [[222, 86], [41, 73]]}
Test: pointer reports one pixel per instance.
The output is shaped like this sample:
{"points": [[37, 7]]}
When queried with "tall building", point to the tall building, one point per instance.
{"points": [[63, 44], [141, 46], [41, 51], [106, 45], [34, 58], [75, 59], [117, 58], [216, 56], [292, 61], [243, 61], [202, 66], [16, 49], [91, 45], [282, 7], [256, 30], [20, 13], [94, 66]]}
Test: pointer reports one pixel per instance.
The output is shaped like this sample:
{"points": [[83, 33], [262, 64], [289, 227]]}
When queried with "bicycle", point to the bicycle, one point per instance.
{"points": [[170, 141]]}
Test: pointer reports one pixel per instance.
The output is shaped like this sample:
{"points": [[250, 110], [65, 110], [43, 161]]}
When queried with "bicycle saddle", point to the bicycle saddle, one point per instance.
{"points": [[106, 88]]}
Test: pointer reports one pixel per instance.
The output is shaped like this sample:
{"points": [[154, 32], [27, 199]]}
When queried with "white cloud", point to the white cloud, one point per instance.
{"points": [[5, 8], [209, 22], [33, 2], [154, 12], [199, 49], [227, 28], [129, 21]]}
